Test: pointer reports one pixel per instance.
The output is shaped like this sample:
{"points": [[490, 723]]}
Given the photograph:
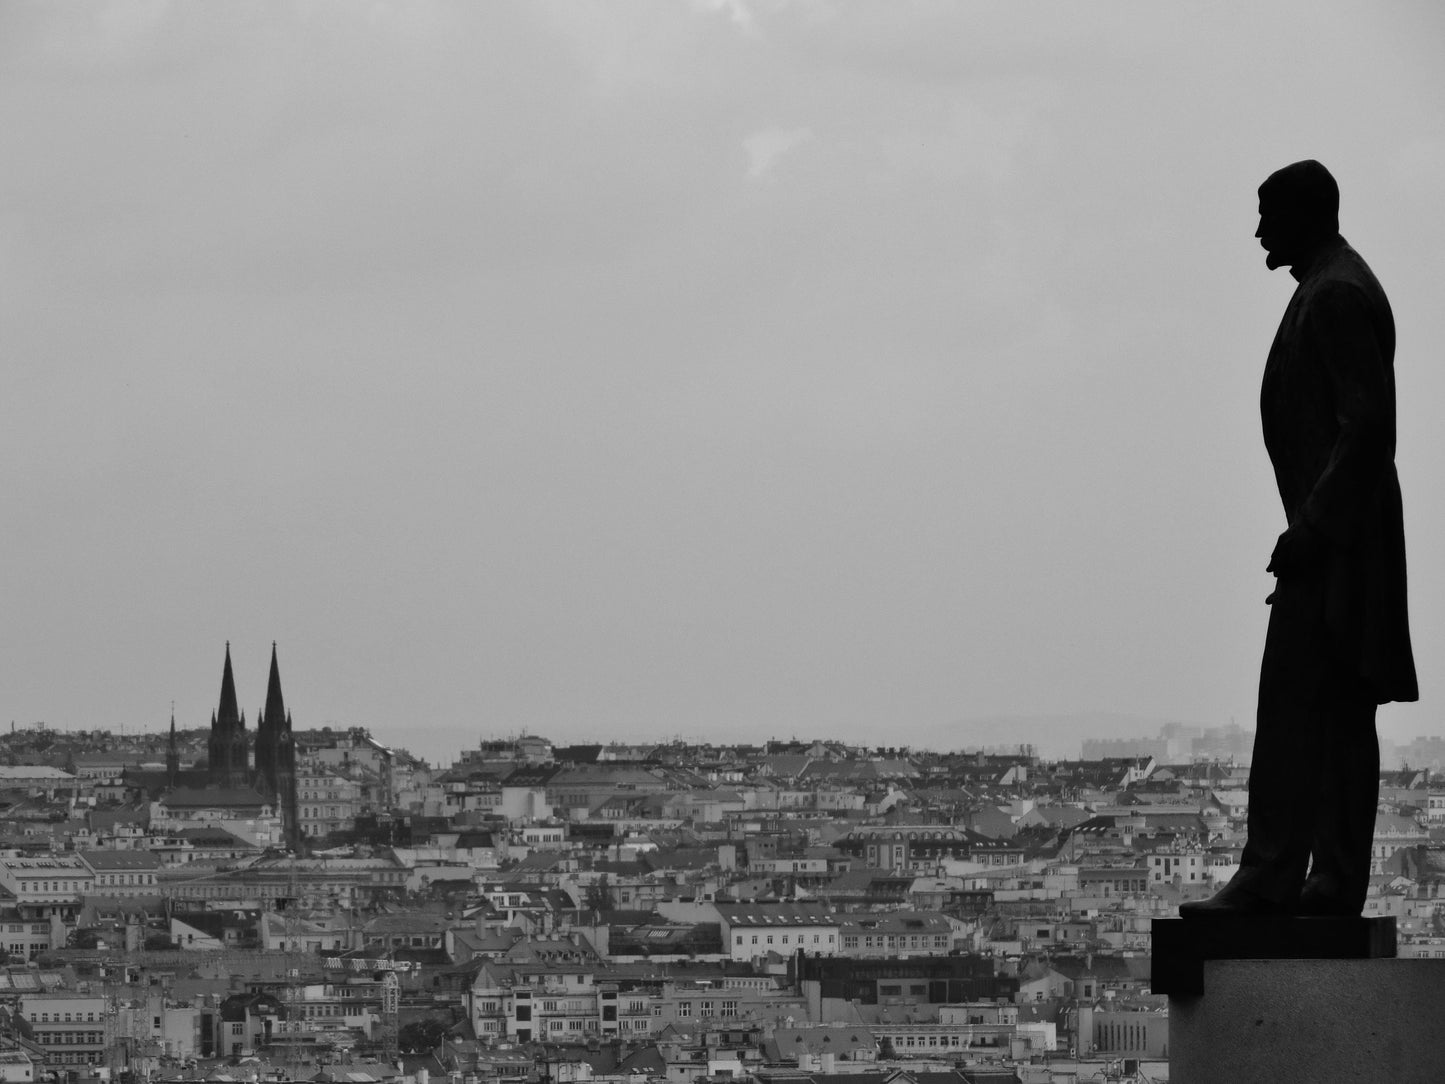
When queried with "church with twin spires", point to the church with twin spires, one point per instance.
{"points": [[229, 765]]}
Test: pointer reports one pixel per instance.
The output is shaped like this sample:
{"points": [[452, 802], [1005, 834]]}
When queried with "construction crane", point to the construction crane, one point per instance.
{"points": [[288, 908], [390, 1014], [390, 993]]}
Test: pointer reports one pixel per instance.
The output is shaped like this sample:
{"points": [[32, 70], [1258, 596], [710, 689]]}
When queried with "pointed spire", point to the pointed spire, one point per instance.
{"points": [[275, 713], [173, 753], [228, 714]]}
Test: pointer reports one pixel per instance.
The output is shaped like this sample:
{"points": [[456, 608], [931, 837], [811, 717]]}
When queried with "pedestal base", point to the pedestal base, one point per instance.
{"points": [[1316, 1021]]}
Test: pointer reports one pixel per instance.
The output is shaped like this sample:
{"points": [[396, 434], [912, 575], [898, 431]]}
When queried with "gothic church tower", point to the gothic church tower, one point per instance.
{"points": [[229, 749], [276, 757]]}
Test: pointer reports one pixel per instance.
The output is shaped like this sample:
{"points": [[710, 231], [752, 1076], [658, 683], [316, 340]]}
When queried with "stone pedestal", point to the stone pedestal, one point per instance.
{"points": [[1179, 947], [1311, 1022]]}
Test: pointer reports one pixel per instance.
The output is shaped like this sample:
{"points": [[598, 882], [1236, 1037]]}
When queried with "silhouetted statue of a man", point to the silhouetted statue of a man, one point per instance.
{"points": [[1338, 642]]}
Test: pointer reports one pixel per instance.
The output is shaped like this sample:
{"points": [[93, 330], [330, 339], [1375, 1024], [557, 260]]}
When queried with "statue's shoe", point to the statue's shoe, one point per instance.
{"points": [[1321, 898], [1233, 900]]}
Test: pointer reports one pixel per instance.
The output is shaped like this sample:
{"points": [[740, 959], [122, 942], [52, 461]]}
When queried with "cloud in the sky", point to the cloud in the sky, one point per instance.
{"points": [[738, 12], [765, 147]]}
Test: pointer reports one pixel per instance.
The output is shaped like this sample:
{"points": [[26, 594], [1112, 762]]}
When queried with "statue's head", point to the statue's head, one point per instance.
{"points": [[1299, 210]]}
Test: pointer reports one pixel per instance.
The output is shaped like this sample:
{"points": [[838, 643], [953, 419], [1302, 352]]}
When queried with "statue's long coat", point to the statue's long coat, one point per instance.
{"points": [[1328, 406]]}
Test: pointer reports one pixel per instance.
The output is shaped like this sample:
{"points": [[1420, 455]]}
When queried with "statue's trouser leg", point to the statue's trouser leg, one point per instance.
{"points": [[1350, 792], [1315, 768]]}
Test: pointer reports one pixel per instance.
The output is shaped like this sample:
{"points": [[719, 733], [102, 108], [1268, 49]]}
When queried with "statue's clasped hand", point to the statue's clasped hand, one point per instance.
{"points": [[1299, 548]]}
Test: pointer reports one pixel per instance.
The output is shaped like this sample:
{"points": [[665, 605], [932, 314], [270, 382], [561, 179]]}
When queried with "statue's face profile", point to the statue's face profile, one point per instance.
{"points": [[1282, 233]]}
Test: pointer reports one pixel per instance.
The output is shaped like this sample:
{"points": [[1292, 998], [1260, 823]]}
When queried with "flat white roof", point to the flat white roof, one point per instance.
{"points": [[33, 771]]}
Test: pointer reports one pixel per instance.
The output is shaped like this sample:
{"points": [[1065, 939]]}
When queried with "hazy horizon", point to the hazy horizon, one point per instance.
{"points": [[1052, 737]]}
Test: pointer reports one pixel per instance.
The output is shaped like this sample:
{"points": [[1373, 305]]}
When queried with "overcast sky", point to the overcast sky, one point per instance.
{"points": [[719, 369]]}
